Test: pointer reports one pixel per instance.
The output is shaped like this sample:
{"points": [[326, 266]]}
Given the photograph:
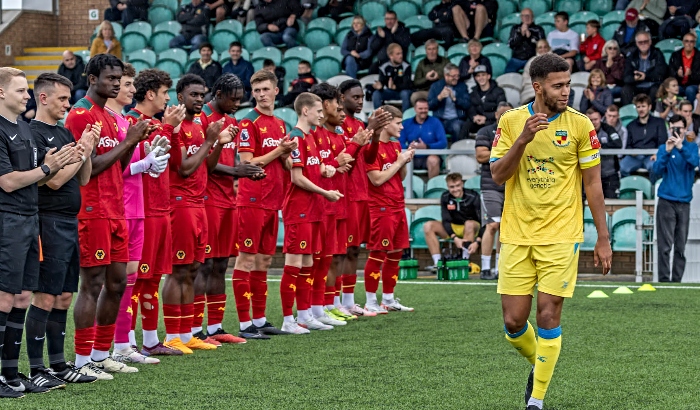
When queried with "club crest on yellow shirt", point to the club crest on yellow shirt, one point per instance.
{"points": [[561, 139]]}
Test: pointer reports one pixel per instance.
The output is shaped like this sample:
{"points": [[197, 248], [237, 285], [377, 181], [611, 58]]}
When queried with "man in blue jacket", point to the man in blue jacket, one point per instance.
{"points": [[675, 163], [427, 133], [449, 100]]}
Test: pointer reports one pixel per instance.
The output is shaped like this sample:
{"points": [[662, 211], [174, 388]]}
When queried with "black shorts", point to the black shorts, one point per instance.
{"points": [[421, 162], [19, 252], [60, 270]]}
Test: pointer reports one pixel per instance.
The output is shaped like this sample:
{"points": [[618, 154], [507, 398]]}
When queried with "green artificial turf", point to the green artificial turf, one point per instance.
{"points": [[624, 352]]}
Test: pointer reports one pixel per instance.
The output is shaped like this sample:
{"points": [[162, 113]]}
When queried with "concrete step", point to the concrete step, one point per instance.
{"points": [[38, 60], [35, 70], [49, 51]]}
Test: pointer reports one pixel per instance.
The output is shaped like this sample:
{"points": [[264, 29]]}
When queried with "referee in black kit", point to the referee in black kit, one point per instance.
{"points": [[20, 171]]}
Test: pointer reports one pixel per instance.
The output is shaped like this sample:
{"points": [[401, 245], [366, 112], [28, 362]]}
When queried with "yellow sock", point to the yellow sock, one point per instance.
{"points": [[524, 342], [548, 348]]}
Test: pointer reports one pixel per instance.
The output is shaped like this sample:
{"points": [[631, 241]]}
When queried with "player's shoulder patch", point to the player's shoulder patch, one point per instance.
{"points": [[393, 139], [197, 119], [296, 133], [206, 110], [252, 116], [82, 106], [339, 130]]}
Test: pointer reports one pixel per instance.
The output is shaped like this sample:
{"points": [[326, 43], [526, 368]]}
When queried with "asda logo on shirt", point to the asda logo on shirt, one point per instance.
{"points": [[230, 145], [313, 161], [192, 149], [270, 143], [386, 166], [325, 154], [107, 142]]}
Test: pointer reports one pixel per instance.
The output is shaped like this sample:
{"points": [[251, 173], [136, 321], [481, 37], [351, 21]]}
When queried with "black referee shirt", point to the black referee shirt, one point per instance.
{"points": [[18, 152]]}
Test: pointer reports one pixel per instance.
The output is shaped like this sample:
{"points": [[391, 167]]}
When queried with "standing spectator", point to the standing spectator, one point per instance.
{"points": [[609, 164], [394, 80], [210, 70], [429, 71], [449, 100], [472, 60], [239, 67], [613, 66], [73, 68], [684, 65], [564, 41], [676, 163], [612, 118], [424, 132], [474, 18], [484, 99], [302, 84], [523, 41], [335, 8], [115, 10], [194, 18], [394, 31], [135, 10], [592, 47], [105, 42], [596, 95], [626, 33], [644, 132], [443, 26], [356, 48], [276, 21], [679, 19], [667, 98], [645, 69]]}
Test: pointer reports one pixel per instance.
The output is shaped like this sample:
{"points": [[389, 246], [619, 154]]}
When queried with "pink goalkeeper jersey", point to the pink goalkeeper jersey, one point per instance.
{"points": [[133, 184]]}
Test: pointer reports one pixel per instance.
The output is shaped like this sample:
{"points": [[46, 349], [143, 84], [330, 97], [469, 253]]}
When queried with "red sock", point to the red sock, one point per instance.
{"points": [[187, 310], [216, 306], [135, 296], [172, 315], [258, 285], [328, 295], [84, 340], [349, 281], [303, 293], [241, 292], [288, 288], [390, 272], [338, 285], [103, 337], [319, 275], [200, 302], [373, 270], [149, 303]]}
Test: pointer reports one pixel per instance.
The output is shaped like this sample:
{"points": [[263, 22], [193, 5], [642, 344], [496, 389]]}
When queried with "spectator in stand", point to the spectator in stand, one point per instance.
{"points": [[609, 164], [429, 71], [613, 66], [684, 65], [449, 100], [596, 95], [679, 18], [115, 10], [425, 132], [135, 10], [105, 42], [394, 31], [644, 132], [335, 8], [484, 100], [652, 12], [239, 67], [676, 163], [207, 68], [73, 69], [472, 60], [685, 110], [542, 48], [221, 9], [302, 84], [194, 18], [394, 80], [523, 41], [280, 73], [563, 40], [628, 30], [667, 99], [592, 47], [645, 69], [443, 26], [243, 10], [474, 18], [276, 21], [356, 48], [612, 118]]}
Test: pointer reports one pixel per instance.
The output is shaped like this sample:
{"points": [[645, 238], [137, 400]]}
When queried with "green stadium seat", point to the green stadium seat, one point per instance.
{"points": [[428, 6], [145, 29], [569, 6], [538, 6], [506, 24], [326, 67], [590, 234], [669, 45], [171, 4], [623, 228], [435, 187], [177, 55], [599, 7], [84, 54], [140, 65], [317, 38], [251, 26], [627, 113], [336, 80], [614, 17], [323, 23], [546, 21], [280, 230], [376, 23], [418, 186], [415, 23], [241, 113], [300, 53], [231, 25], [272, 53], [159, 14], [160, 41], [145, 55], [506, 7], [330, 51], [345, 23], [171, 67], [372, 10], [460, 50], [428, 213], [251, 41], [473, 183], [409, 216], [633, 183], [423, 215], [499, 54], [169, 26], [577, 21], [221, 39], [287, 115], [341, 34], [133, 42], [405, 9], [409, 113], [173, 95]]}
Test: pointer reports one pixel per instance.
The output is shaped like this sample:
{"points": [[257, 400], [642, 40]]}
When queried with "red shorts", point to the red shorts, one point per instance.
{"points": [[357, 224], [302, 238], [341, 243], [389, 230], [157, 244], [103, 241], [189, 231], [329, 235], [257, 230], [223, 224]]}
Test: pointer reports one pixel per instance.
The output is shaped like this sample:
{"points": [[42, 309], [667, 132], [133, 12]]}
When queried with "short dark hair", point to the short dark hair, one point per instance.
{"points": [[392, 12], [641, 99], [613, 108], [306, 63], [305, 100], [545, 64], [454, 176], [206, 45], [420, 100], [47, 81], [326, 91], [594, 23], [680, 104], [268, 62], [591, 111], [235, 44], [564, 15], [101, 62], [504, 104], [676, 118], [228, 84], [187, 80], [347, 85], [151, 79]]}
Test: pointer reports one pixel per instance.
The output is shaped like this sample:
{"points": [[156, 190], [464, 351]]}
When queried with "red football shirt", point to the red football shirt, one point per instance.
{"points": [[103, 196], [259, 135], [339, 181], [220, 192], [358, 184], [185, 192], [300, 205], [389, 194]]}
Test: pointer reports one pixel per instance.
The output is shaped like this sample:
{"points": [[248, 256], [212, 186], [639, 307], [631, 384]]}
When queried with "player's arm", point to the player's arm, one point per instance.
{"points": [[135, 134], [503, 168], [282, 152], [303, 182], [188, 165], [12, 180], [594, 194], [378, 177], [244, 170]]}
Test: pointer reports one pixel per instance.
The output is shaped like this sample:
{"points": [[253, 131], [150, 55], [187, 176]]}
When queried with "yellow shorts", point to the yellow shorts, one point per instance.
{"points": [[459, 229], [552, 267]]}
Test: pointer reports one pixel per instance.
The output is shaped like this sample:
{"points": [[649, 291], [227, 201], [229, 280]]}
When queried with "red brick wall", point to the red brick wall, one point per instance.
{"points": [[31, 29], [75, 27]]}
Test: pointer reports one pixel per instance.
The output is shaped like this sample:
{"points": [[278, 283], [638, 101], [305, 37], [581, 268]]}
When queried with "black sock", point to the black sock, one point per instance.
{"points": [[13, 343], [35, 335], [55, 337], [3, 322]]}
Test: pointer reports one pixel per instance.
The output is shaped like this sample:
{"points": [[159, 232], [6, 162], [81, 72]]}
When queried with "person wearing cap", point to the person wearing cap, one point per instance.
{"points": [[484, 100], [624, 35], [449, 100], [652, 12]]}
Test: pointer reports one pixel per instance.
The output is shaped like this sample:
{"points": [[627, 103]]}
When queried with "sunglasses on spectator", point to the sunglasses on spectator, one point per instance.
{"points": [[643, 42]]}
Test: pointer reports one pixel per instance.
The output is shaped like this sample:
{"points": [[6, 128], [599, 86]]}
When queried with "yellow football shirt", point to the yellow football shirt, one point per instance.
{"points": [[543, 201]]}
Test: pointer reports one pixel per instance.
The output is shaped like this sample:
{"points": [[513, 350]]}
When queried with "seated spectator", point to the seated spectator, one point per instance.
{"points": [[135, 10], [221, 9], [645, 69], [472, 60], [308, 6], [73, 69], [652, 12], [596, 95], [115, 10], [428, 72], [643, 132], [207, 68], [626, 33], [394, 31], [667, 99], [484, 100], [523, 41], [684, 65], [592, 47], [542, 48], [612, 118], [239, 66], [356, 48], [335, 8], [685, 110], [243, 10], [443, 26], [276, 21], [449, 100], [280, 73], [424, 132], [105, 42], [609, 164], [302, 84], [394, 80], [194, 18], [563, 40], [474, 18], [679, 19], [613, 67]]}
